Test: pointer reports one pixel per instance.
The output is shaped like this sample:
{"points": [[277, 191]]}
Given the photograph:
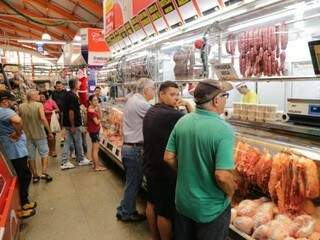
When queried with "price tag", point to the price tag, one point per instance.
{"points": [[123, 32], [128, 28], [225, 71], [135, 23], [167, 6], [157, 18], [180, 3], [207, 7], [154, 12], [144, 18], [171, 13]]}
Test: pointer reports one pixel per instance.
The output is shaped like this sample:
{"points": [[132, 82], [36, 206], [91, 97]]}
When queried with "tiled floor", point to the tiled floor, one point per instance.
{"points": [[79, 204]]}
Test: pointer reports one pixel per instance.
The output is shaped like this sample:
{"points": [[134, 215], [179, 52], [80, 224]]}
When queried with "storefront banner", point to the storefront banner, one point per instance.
{"points": [[207, 7], [108, 16], [171, 14], [146, 23], [156, 17], [96, 40], [187, 10]]}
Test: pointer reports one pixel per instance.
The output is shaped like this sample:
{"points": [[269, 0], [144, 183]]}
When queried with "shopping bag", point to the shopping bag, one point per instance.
{"points": [[54, 123]]}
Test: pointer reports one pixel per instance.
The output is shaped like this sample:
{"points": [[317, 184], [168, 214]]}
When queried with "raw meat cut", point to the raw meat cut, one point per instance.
{"points": [[244, 224], [262, 233], [264, 214], [303, 226]]}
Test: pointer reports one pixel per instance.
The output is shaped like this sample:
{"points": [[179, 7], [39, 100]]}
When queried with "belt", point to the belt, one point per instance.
{"points": [[134, 144]]}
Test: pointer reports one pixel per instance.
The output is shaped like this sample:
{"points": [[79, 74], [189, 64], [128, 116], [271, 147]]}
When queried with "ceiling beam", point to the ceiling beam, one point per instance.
{"points": [[59, 10], [31, 26], [93, 7], [27, 12]]}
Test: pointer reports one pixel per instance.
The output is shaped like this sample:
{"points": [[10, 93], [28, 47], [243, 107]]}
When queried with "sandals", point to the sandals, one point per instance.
{"points": [[100, 169], [35, 179], [46, 177]]}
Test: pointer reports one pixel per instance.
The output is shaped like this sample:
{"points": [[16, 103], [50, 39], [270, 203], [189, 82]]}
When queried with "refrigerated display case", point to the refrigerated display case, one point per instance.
{"points": [[280, 31], [9, 201]]}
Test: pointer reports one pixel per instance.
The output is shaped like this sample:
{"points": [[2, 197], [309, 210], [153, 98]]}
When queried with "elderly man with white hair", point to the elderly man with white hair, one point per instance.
{"points": [[134, 112], [34, 125]]}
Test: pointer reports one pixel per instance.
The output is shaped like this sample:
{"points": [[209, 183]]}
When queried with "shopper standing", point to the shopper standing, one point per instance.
{"points": [[59, 96], [93, 127], [161, 179], [14, 144], [34, 122], [134, 112], [201, 148], [49, 107], [72, 123], [97, 93]]}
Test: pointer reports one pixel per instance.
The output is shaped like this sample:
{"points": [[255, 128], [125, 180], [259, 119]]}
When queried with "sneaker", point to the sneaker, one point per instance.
{"points": [[84, 162], [30, 205], [135, 217], [26, 213], [67, 165]]}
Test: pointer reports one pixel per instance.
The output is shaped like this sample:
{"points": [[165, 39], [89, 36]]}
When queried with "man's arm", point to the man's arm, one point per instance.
{"points": [[170, 159], [16, 122], [44, 120], [226, 181]]}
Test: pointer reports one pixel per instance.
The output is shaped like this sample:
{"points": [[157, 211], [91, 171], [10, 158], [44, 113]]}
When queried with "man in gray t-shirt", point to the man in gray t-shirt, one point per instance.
{"points": [[134, 112]]}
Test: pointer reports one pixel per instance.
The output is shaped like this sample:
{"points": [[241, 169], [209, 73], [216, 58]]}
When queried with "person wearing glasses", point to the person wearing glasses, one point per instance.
{"points": [[248, 96], [200, 148]]}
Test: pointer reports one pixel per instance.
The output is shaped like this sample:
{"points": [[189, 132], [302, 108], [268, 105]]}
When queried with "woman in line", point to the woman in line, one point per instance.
{"points": [[49, 106], [93, 127]]}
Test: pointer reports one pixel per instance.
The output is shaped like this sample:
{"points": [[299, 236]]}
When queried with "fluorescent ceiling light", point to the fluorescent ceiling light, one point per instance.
{"points": [[41, 42]]}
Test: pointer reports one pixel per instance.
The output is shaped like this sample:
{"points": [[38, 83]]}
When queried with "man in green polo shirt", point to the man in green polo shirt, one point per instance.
{"points": [[201, 147]]}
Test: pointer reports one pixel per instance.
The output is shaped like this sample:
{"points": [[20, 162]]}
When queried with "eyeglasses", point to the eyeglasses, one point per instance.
{"points": [[225, 95]]}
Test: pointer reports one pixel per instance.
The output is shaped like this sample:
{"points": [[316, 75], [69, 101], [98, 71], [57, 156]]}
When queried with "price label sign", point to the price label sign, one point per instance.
{"points": [[124, 35], [135, 23], [225, 71], [146, 23], [156, 17], [206, 7], [128, 27], [170, 13], [187, 10], [139, 31]]}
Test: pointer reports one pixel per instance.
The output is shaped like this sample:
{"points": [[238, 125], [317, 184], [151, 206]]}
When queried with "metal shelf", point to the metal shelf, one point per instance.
{"points": [[279, 79]]}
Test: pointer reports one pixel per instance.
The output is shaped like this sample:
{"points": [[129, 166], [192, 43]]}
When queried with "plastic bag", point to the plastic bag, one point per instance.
{"points": [[54, 123]]}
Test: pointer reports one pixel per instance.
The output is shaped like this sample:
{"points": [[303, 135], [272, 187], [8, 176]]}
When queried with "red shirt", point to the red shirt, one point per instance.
{"points": [[91, 126], [49, 106]]}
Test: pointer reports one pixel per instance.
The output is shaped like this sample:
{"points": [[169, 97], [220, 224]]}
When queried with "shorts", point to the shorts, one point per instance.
{"points": [[95, 138], [161, 193], [41, 145]]}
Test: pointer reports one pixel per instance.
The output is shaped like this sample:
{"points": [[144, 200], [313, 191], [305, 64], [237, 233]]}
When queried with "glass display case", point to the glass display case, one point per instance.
{"points": [[267, 44]]}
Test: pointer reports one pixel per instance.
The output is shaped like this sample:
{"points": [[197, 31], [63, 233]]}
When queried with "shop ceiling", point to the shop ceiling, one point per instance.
{"points": [[61, 19]]}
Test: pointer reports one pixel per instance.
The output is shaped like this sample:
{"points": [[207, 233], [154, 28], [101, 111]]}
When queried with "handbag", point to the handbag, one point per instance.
{"points": [[54, 123]]}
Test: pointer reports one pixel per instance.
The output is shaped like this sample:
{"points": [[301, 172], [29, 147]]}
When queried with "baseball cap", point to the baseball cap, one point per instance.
{"points": [[5, 94], [208, 89]]}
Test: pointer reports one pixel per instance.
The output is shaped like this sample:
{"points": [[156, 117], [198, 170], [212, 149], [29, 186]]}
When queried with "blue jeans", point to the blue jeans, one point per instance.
{"points": [[70, 139], [132, 162], [187, 229], [84, 144]]}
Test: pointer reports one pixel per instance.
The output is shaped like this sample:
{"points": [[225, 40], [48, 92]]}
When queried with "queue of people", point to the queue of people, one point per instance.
{"points": [[187, 160], [27, 129]]}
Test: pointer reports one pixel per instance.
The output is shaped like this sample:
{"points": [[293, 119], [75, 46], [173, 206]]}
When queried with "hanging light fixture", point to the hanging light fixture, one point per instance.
{"points": [[46, 37]]}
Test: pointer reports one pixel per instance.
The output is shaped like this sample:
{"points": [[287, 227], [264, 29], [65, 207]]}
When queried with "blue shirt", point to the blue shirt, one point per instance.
{"points": [[13, 150]]}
